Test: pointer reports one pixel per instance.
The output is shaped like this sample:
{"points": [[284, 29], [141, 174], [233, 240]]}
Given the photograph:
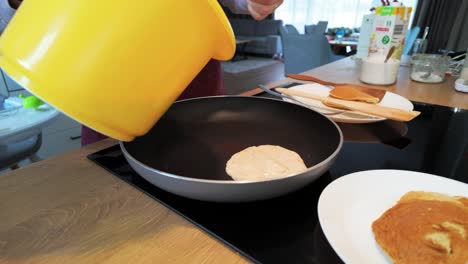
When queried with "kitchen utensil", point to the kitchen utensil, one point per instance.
{"points": [[371, 91], [390, 100], [323, 110], [427, 74], [419, 46], [113, 66], [350, 93], [411, 38], [377, 110], [390, 53], [186, 151], [426, 31], [270, 91]]}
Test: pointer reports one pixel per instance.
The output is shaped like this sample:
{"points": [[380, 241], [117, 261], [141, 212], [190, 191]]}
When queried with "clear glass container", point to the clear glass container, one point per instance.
{"points": [[429, 68], [419, 46], [464, 71]]}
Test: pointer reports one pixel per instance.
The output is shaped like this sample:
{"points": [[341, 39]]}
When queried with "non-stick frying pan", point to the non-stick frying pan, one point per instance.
{"points": [[186, 151]]}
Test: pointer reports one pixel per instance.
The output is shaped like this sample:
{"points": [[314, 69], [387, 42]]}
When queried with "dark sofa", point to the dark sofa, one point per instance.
{"points": [[264, 35]]}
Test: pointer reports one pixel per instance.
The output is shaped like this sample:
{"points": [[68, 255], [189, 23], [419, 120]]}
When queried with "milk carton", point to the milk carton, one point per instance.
{"points": [[390, 26], [367, 27]]}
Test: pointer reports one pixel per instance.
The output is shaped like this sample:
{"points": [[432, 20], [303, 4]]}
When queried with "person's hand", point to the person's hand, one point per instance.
{"points": [[259, 9]]}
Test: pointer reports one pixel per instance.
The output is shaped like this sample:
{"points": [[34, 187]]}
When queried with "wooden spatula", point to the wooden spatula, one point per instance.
{"points": [[372, 109], [350, 93], [378, 93]]}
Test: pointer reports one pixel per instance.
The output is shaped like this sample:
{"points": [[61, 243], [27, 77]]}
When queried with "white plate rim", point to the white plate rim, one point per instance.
{"points": [[425, 181]]}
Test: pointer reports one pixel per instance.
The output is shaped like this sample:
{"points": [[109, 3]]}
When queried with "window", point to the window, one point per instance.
{"points": [[338, 13]]}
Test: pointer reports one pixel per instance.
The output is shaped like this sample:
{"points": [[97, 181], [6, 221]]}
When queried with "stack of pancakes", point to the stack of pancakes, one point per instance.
{"points": [[425, 227]]}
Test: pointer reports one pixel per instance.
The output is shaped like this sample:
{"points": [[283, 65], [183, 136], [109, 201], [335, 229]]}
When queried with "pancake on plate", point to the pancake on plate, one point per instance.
{"points": [[425, 227]]}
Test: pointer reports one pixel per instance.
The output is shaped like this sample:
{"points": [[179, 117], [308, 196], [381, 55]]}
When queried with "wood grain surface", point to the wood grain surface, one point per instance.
{"points": [[69, 210]]}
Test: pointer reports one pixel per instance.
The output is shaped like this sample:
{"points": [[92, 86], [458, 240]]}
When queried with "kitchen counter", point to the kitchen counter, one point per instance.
{"points": [[69, 210]]}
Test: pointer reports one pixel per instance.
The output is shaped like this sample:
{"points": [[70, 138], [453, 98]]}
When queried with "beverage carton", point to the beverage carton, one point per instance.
{"points": [[390, 26]]}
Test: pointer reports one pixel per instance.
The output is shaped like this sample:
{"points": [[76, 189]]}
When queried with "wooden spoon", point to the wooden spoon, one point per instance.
{"points": [[389, 54], [378, 93], [377, 110], [346, 92]]}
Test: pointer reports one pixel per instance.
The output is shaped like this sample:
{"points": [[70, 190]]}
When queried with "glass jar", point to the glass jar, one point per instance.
{"points": [[429, 68], [419, 46], [464, 71]]}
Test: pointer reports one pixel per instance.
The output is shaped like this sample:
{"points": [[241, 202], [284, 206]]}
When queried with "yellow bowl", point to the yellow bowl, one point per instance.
{"points": [[113, 65]]}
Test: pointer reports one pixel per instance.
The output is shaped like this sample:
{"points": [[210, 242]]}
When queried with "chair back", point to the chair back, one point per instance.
{"points": [[302, 52], [320, 28], [290, 29], [310, 29]]}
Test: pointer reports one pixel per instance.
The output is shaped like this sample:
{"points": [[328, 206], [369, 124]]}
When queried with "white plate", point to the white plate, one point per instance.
{"points": [[390, 99], [348, 206]]}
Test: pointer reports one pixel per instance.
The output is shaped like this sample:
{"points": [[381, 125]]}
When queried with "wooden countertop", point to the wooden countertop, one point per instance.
{"points": [[347, 70], [69, 210]]}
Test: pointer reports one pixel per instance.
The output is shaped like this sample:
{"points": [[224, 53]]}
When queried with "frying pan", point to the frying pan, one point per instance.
{"points": [[186, 151]]}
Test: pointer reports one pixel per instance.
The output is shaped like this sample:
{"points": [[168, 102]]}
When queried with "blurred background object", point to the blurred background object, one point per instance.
{"points": [[447, 20]]}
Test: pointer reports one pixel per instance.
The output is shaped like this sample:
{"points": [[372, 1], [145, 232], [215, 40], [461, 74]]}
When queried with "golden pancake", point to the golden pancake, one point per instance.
{"points": [[424, 227], [264, 162]]}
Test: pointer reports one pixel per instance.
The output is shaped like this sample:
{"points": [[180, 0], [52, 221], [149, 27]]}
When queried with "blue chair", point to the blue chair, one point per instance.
{"points": [[320, 28], [302, 52], [310, 29], [290, 29]]}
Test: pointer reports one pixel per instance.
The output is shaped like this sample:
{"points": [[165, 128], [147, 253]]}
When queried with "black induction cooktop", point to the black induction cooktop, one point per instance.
{"points": [[286, 229]]}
